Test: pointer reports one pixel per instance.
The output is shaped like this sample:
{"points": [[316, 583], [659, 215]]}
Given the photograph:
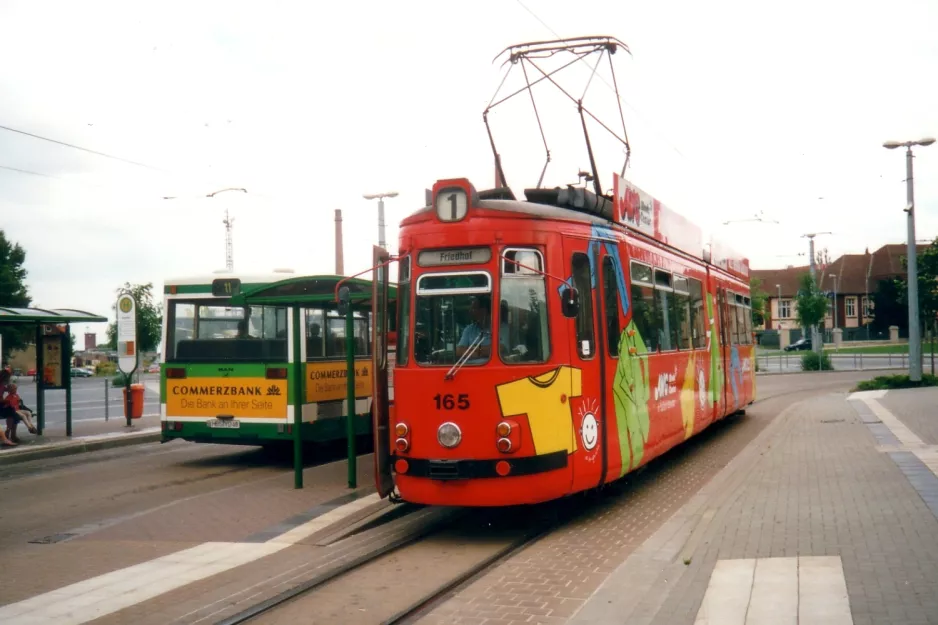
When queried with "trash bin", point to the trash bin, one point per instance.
{"points": [[137, 394]]}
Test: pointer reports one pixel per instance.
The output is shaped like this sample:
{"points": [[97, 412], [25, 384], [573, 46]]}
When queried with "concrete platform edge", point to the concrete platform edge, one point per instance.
{"points": [[77, 447]]}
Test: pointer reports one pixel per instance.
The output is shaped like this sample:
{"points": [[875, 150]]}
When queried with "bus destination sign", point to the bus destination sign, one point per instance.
{"points": [[454, 256], [226, 287]]}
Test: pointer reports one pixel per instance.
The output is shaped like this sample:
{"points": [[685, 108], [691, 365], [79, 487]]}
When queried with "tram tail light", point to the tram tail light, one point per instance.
{"points": [[176, 373], [508, 436], [277, 373], [401, 430], [401, 444]]}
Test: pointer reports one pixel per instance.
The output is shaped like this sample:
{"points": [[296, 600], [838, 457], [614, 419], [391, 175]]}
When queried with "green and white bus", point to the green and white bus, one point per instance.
{"points": [[249, 358]]}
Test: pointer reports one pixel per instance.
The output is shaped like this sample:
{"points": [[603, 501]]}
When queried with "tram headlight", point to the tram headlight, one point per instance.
{"points": [[449, 435]]}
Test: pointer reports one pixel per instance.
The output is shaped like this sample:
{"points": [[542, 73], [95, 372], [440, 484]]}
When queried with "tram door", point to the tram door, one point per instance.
{"points": [[587, 358], [725, 349]]}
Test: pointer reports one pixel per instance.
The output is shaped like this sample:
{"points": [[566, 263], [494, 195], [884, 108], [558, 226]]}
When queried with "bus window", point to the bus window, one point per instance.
{"points": [[667, 333], [643, 305], [582, 282], [680, 313], [453, 314], [403, 306], [611, 302], [522, 328], [210, 330], [698, 314], [335, 335], [315, 334]]}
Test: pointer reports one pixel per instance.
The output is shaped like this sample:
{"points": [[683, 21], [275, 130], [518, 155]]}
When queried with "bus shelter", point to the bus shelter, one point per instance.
{"points": [[313, 292], [53, 351]]}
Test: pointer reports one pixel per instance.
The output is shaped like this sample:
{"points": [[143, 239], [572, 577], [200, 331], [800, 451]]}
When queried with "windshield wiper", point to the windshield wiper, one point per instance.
{"points": [[466, 355]]}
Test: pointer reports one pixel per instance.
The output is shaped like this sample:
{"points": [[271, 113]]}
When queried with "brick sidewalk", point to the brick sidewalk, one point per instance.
{"points": [[817, 483], [86, 436]]}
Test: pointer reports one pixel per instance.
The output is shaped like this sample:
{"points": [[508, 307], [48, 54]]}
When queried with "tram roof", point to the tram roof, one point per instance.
{"points": [[43, 316], [629, 210], [307, 289]]}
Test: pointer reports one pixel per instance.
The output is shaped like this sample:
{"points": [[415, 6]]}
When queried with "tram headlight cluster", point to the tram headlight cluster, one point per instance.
{"points": [[508, 436], [449, 435], [402, 442]]}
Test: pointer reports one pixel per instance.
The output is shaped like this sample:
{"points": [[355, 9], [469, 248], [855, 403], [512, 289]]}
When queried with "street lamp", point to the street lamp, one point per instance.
{"points": [[778, 305], [834, 276], [815, 335], [380, 197], [915, 340]]}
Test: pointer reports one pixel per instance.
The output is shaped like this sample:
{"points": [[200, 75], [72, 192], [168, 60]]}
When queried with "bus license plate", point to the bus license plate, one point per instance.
{"points": [[232, 424]]}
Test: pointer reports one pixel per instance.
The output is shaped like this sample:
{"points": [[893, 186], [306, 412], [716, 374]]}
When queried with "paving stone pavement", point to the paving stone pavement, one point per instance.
{"points": [[550, 580], [919, 411], [817, 486]]}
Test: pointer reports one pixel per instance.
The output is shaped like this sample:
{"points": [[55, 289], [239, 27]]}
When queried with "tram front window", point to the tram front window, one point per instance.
{"points": [[453, 319]]}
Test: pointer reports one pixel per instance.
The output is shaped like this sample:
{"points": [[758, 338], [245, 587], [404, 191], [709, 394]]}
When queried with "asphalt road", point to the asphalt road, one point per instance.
{"points": [[88, 399]]}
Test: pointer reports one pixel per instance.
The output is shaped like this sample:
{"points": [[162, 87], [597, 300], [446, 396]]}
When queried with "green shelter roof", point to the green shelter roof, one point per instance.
{"points": [[41, 315]]}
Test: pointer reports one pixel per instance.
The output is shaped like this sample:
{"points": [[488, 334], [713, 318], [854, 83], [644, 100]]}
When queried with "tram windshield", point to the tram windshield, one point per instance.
{"points": [[210, 330], [453, 316]]}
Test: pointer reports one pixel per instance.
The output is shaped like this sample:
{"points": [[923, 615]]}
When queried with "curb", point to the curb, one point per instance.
{"points": [[77, 447]]}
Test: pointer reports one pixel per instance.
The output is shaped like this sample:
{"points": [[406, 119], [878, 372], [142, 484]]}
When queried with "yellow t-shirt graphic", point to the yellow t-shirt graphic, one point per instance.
{"points": [[538, 397]]}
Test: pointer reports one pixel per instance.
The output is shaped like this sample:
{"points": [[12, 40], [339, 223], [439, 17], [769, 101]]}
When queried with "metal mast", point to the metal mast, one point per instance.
{"points": [[229, 251]]}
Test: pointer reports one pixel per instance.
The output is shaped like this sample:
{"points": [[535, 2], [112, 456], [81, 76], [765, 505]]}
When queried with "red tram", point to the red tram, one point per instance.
{"points": [[552, 345]]}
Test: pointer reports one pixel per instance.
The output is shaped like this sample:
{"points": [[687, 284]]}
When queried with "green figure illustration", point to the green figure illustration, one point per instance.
{"points": [[631, 390]]}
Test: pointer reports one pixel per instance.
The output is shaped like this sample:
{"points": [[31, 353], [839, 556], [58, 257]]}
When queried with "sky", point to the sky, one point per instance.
{"points": [[732, 109]]}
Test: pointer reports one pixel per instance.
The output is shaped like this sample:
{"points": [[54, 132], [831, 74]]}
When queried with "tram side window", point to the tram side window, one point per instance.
{"points": [[611, 303], [522, 331], [733, 318], [680, 312], [698, 314], [643, 305], [582, 281], [664, 298]]}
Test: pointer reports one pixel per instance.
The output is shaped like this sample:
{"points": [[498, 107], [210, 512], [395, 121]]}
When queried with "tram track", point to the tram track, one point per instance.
{"points": [[403, 579], [461, 548]]}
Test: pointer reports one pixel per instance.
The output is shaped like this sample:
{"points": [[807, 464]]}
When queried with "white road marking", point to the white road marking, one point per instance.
{"points": [[776, 591], [323, 521], [105, 594], [908, 440]]}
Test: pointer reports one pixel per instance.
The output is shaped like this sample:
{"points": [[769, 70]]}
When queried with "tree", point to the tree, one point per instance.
{"points": [[889, 306], [149, 317], [13, 293], [758, 298], [927, 285], [811, 303]]}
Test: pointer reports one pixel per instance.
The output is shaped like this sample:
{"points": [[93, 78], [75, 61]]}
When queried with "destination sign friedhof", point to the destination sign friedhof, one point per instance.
{"points": [[126, 334], [460, 256]]}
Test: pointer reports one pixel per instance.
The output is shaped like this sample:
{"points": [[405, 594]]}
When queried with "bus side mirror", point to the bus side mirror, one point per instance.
{"points": [[345, 299], [570, 302]]}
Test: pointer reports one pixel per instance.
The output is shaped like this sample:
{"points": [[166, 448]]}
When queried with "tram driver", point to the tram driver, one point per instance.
{"points": [[481, 314]]}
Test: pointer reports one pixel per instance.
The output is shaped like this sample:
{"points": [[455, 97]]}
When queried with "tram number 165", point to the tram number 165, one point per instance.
{"points": [[449, 402]]}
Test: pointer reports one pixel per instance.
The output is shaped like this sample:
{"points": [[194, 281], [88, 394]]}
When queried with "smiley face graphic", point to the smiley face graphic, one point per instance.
{"points": [[589, 432]]}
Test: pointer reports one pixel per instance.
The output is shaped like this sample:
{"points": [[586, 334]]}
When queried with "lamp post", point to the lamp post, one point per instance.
{"points": [[380, 197], [778, 306], [915, 336], [834, 276], [815, 335]]}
